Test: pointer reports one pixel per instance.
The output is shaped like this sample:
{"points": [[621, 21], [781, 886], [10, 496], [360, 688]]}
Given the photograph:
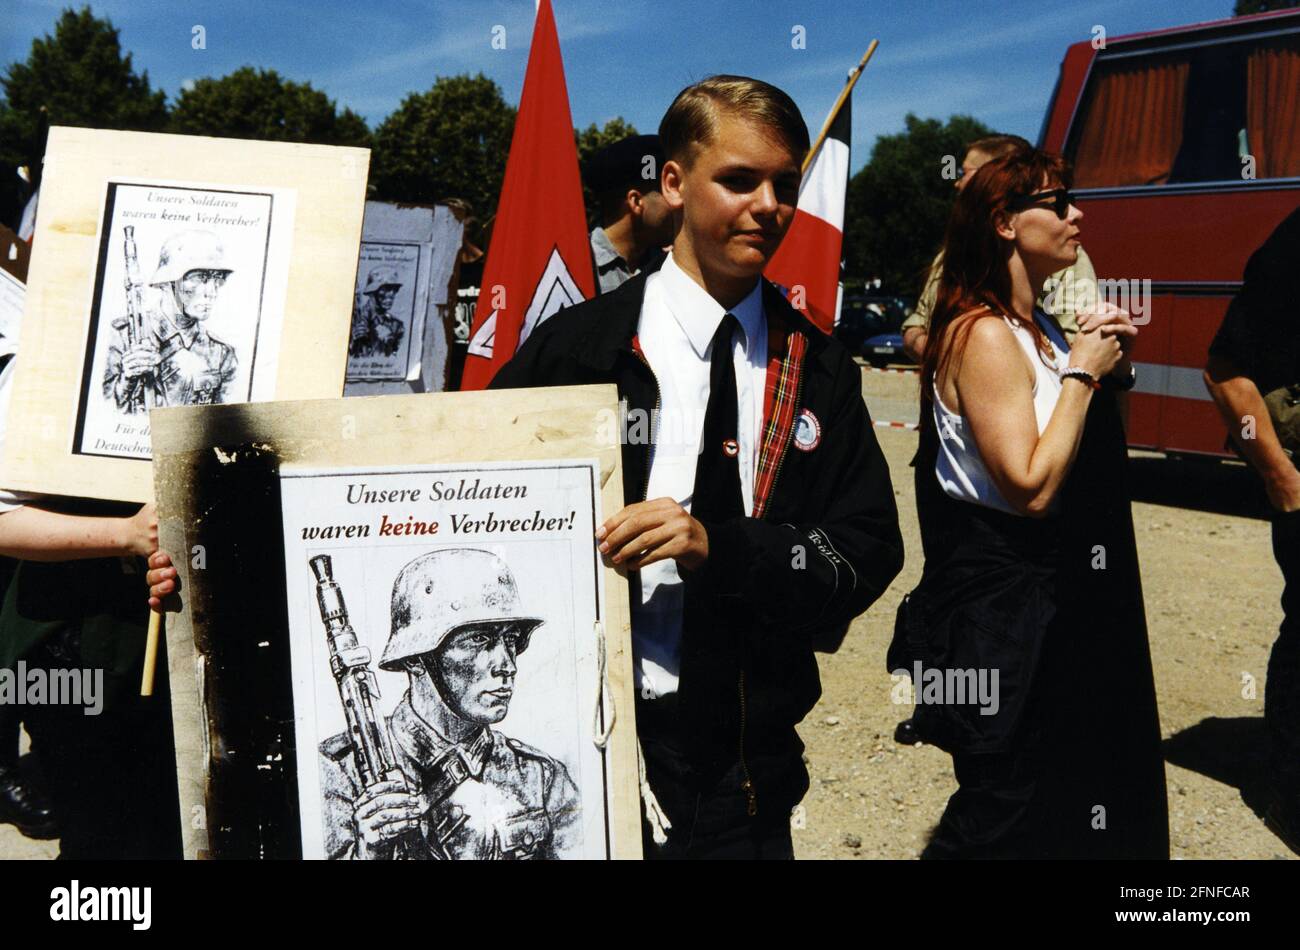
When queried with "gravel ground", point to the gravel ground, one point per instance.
{"points": [[1212, 592]]}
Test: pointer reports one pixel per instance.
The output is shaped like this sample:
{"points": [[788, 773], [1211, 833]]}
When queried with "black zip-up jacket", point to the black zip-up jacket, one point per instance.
{"points": [[774, 588]]}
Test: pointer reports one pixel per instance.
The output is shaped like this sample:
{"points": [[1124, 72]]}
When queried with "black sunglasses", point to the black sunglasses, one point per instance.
{"points": [[1058, 199]]}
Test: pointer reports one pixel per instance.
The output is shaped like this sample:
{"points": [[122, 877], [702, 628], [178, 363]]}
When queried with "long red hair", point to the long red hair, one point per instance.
{"points": [[975, 278]]}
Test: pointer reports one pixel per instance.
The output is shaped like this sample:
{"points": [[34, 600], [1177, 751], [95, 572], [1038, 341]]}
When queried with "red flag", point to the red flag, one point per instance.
{"points": [[539, 259], [807, 263]]}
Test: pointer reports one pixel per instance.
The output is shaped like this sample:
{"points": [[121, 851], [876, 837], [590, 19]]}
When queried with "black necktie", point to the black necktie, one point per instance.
{"points": [[717, 495]]}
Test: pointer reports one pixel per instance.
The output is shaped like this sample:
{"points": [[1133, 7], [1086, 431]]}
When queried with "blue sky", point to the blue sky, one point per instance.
{"points": [[997, 62]]}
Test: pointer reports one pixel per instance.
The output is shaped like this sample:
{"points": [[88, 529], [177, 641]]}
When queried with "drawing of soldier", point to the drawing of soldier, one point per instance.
{"points": [[178, 360], [375, 331], [470, 792]]}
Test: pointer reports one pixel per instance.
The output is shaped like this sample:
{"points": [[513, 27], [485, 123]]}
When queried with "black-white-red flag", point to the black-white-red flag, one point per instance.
{"points": [[807, 264]]}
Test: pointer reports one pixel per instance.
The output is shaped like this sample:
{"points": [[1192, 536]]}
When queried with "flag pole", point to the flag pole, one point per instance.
{"points": [[835, 109]]}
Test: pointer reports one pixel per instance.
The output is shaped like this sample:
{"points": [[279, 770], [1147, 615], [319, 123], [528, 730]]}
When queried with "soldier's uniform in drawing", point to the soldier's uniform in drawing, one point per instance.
{"points": [[488, 796], [376, 332], [194, 369], [515, 801]]}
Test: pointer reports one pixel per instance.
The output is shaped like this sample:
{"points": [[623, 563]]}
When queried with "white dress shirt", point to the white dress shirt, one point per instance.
{"points": [[678, 321]]}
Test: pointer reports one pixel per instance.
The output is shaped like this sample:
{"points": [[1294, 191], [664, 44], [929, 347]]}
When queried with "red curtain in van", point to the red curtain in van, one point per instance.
{"points": [[1134, 126], [1273, 110]]}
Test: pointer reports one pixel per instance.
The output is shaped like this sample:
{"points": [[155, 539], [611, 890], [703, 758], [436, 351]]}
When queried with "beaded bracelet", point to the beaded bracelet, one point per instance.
{"points": [[1082, 375]]}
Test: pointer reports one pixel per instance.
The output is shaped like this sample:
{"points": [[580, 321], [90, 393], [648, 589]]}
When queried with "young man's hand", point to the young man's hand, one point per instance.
{"points": [[161, 578], [651, 531]]}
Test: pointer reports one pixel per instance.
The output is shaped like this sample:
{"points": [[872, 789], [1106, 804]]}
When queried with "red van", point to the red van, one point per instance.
{"points": [[1186, 148]]}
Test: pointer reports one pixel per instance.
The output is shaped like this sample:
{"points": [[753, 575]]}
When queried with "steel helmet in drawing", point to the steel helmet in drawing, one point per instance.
{"points": [[445, 591]]}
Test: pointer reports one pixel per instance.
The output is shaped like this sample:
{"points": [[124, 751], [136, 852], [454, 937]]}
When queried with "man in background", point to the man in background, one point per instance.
{"points": [[1254, 356], [635, 222]]}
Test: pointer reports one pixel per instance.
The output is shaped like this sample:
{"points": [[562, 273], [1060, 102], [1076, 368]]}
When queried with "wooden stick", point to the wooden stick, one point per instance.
{"points": [[150, 653], [835, 109]]}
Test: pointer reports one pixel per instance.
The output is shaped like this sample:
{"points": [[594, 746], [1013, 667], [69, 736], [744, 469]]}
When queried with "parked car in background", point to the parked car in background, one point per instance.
{"points": [[870, 326]]}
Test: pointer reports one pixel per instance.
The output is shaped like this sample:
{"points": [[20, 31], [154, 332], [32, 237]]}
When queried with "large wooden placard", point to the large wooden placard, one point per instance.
{"points": [[259, 239], [229, 483]]}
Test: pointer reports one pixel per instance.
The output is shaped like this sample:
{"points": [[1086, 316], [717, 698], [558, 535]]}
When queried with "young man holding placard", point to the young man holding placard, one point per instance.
{"points": [[768, 521]]}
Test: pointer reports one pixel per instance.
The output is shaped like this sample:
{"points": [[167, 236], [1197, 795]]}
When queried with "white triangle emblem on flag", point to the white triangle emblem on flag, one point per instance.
{"points": [[480, 343], [555, 291]]}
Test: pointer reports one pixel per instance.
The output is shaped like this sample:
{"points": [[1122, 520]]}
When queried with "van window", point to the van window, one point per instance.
{"points": [[1273, 108], [1210, 113]]}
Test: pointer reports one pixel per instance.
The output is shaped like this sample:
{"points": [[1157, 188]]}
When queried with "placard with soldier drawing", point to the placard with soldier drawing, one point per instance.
{"points": [[384, 312], [187, 306], [447, 657], [175, 272]]}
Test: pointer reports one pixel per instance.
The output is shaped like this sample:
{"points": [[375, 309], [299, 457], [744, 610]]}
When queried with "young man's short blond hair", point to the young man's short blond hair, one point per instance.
{"points": [[692, 120]]}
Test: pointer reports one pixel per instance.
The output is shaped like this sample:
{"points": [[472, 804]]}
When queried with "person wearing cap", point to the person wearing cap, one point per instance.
{"points": [[375, 331], [635, 222], [467, 791], [182, 363]]}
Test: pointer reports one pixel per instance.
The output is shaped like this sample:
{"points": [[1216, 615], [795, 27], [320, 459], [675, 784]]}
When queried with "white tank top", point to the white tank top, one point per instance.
{"points": [[959, 468]]}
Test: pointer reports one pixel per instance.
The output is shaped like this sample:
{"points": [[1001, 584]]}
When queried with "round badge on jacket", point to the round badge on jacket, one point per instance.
{"points": [[807, 431]]}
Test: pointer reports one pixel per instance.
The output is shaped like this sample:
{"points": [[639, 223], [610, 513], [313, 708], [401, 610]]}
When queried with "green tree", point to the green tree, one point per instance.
{"points": [[260, 104], [80, 77], [449, 142], [592, 139], [1244, 7], [898, 203]]}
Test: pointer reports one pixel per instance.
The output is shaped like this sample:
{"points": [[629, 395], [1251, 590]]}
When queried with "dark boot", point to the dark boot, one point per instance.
{"points": [[905, 733], [25, 807]]}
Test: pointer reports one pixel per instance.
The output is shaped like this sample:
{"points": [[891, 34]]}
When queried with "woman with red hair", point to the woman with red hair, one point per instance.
{"points": [[1028, 624]]}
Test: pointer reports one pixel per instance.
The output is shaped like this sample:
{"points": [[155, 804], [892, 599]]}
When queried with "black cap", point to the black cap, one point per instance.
{"points": [[624, 165]]}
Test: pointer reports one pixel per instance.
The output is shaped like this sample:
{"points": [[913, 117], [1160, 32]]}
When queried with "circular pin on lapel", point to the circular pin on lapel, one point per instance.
{"points": [[730, 448], [807, 432]]}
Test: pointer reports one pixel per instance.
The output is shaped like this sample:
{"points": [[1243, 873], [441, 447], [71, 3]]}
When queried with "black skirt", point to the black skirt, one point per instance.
{"points": [[1067, 762]]}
